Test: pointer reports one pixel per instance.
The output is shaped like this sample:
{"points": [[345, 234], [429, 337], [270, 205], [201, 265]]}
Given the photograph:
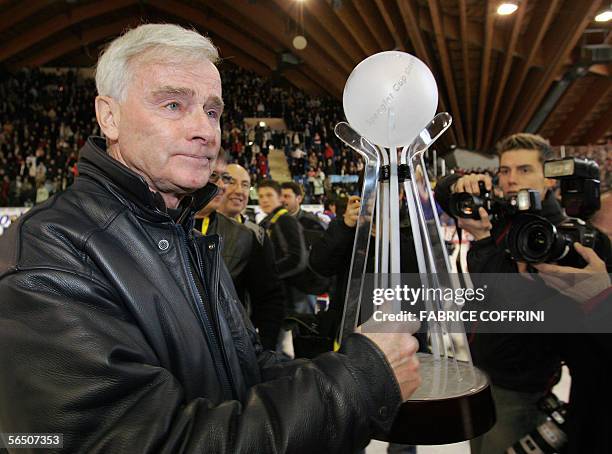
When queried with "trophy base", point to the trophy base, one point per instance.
{"points": [[453, 404]]}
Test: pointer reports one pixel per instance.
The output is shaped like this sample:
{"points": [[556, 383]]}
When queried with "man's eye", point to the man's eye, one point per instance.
{"points": [[173, 106], [213, 114]]}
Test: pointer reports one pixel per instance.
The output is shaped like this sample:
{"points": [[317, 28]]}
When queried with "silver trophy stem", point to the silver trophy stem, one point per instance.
{"points": [[371, 157]]}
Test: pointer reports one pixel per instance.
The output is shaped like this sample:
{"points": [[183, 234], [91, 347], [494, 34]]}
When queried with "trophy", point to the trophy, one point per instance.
{"points": [[390, 100]]}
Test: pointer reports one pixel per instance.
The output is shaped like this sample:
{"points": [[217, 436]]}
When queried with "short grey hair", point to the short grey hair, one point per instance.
{"points": [[167, 41]]}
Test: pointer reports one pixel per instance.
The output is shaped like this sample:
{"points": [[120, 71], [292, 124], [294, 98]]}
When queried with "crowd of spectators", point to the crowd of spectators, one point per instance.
{"points": [[46, 116]]}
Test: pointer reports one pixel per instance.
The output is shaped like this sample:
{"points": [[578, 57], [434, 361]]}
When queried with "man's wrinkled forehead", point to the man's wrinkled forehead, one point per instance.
{"points": [[162, 72]]}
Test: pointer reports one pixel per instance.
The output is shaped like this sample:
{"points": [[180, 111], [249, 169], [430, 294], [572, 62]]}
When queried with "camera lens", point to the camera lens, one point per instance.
{"points": [[536, 240], [530, 238], [464, 205]]}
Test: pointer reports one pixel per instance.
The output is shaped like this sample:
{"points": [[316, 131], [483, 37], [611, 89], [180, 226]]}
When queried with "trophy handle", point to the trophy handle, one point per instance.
{"points": [[361, 244]]}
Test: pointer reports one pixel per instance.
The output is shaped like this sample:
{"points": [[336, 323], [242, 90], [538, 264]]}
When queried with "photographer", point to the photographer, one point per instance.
{"points": [[522, 368]]}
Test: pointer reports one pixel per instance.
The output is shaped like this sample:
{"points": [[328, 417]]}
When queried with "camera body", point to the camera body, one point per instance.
{"points": [[528, 236], [548, 437]]}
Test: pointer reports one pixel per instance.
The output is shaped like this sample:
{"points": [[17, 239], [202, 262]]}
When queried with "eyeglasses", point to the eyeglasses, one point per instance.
{"points": [[225, 177]]}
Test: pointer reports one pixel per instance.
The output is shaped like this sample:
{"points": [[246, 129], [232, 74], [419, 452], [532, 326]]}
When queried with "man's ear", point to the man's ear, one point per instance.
{"points": [[108, 116], [299, 199]]}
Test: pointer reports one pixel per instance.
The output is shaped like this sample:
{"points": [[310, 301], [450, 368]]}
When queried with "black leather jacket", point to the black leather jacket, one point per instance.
{"points": [[251, 265], [106, 338]]}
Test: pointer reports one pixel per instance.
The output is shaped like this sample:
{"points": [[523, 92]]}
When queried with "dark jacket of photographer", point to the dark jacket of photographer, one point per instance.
{"points": [[524, 362], [251, 265], [527, 362], [121, 329]]}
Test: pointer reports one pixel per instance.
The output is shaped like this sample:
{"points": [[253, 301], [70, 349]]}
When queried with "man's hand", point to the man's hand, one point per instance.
{"points": [[580, 284], [469, 183], [400, 350], [478, 228], [352, 211]]}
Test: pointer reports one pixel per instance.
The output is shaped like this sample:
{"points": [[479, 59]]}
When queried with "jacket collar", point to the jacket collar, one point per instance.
{"points": [[95, 163]]}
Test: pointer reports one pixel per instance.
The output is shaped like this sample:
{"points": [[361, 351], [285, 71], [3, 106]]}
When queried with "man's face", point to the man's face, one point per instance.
{"points": [[268, 199], [522, 169], [290, 200], [169, 124], [237, 192], [218, 177]]}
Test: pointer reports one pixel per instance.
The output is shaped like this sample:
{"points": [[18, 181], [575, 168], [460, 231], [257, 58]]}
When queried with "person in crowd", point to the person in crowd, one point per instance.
{"points": [[290, 250], [119, 323], [312, 229], [522, 367], [234, 204], [249, 261], [292, 196]]}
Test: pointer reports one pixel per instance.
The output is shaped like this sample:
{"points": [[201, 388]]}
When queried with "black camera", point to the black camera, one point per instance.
{"points": [[534, 239], [548, 437], [528, 236]]}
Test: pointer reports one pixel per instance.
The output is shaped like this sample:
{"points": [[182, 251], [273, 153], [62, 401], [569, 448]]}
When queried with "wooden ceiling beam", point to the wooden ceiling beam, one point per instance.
{"points": [[315, 59], [323, 12], [74, 42], [508, 59], [484, 73], [231, 53], [19, 12], [540, 22], [371, 17], [557, 45], [392, 22], [353, 22], [245, 23], [599, 128], [596, 91], [409, 15], [217, 27], [315, 31], [59, 23], [447, 72], [475, 34], [469, 132]]}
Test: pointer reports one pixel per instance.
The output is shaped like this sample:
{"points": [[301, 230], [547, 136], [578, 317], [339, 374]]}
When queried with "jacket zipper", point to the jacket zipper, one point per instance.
{"points": [[215, 278], [205, 320]]}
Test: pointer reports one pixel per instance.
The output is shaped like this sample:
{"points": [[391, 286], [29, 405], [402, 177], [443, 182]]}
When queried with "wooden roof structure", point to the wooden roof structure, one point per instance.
{"points": [[496, 74]]}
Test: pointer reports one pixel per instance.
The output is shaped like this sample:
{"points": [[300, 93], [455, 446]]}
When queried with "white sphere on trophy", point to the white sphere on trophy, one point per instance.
{"points": [[390, 97]]}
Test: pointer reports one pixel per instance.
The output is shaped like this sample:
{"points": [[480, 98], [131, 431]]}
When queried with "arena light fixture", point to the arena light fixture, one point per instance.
{"points": [[605, 15], [300, 42], [262, 124], [507, 8]]}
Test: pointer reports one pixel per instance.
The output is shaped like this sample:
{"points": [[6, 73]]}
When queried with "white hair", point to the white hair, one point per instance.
{"points": [[165, 41]]}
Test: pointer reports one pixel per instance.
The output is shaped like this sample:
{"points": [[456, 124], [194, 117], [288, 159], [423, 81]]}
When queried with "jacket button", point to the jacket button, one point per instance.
{"points": [[163, 244], [211, 246], [383, 412]]}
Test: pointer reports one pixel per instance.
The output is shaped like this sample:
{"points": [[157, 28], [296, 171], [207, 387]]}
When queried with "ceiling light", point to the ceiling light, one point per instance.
{"points": [[604, 16], [262, 124], [506, 8], [299, 42]]}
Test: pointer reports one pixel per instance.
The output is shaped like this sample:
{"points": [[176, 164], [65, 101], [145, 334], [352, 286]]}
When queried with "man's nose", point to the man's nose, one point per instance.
{"points": [[202, 127]]}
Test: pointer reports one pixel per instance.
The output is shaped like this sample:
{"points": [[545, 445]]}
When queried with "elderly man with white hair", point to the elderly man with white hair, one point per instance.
{"points": [[119, 324]]}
